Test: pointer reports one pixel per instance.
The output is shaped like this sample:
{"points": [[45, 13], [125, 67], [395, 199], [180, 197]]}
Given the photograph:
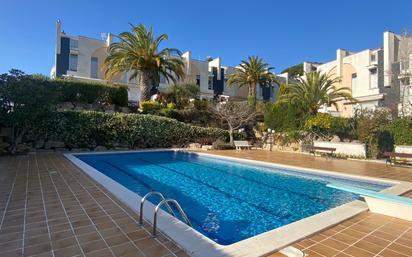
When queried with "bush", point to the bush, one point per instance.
{"points": [[370, 132], [326, 125], [90, 129], [201, 105], [85, 92], [150, 106], [222, 145], [401, 131], [283, 117]]}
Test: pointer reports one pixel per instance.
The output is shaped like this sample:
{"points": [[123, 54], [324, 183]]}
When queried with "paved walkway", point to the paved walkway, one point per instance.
{"points": [[50, 208]]}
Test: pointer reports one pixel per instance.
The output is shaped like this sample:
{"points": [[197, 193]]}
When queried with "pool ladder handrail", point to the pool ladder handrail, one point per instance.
{"points": [[179, 208], [142, 201]]}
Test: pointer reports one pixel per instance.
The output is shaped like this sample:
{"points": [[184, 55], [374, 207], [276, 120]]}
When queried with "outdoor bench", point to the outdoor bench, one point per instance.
{"points": [[393, 157], [242, 144], [320, 149]]}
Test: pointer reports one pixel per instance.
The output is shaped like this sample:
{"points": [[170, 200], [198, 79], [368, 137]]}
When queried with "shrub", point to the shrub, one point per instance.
{"points": [[401, 130], [283, 117], [222, 145], [369, 130], [181, 93], [201, 105], [326, 125], [150, 106], [85, 92], [89, 129]]}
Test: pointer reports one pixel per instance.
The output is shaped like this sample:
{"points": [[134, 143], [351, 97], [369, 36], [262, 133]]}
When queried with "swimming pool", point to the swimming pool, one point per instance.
{"points": [[227, 200]]}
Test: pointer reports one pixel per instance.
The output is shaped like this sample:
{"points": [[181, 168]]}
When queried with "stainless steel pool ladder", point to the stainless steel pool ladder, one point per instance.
{"points": [[167, 201], [145, 198]]}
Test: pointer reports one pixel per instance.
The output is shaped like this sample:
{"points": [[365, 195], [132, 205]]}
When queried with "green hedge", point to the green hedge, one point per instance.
{"points": [[81, 92], [401, 131], [90, 129]]}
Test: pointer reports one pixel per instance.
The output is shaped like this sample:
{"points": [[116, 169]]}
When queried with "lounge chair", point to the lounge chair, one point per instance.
{"points": [[386, 204]]}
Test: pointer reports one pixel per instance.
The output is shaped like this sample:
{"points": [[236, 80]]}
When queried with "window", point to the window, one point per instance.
{"points": [[373, 57], [73, 62], [210, 83], [354, 76], [373, 75], [197, 80], [93, 67], [74, 44]]}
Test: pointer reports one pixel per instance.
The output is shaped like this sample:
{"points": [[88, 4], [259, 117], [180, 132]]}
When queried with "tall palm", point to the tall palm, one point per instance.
{"points": [[137, 52], [252, 72], [315, 90]]}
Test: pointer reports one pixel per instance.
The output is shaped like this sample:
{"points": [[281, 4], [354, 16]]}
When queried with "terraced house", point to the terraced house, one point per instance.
{"points": [[81, 58], [375, 76]]}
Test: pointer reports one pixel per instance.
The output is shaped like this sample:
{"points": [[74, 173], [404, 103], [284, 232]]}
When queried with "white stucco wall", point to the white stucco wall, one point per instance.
{"points": [[351, 149], [403, 149]]}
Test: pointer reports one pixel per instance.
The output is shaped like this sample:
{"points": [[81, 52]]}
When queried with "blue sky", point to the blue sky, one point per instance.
{"points": [[284, 33]]}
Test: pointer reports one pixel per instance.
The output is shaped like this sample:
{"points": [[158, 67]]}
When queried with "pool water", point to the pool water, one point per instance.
{"points": [[226, 200]]}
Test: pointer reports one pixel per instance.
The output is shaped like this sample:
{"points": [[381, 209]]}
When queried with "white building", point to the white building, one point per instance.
{"points": [[81, 58], [368, 74]]}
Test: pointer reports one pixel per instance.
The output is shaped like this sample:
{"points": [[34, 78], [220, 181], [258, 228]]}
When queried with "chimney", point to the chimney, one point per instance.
{"points": [[187, 57], [109, 39], [340, 54]]}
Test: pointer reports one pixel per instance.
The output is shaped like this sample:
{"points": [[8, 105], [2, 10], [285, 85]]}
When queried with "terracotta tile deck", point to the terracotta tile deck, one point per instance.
{"points": [[50, 208]]}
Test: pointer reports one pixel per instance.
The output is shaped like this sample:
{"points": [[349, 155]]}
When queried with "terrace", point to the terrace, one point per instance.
{"points": [[48, 207]]}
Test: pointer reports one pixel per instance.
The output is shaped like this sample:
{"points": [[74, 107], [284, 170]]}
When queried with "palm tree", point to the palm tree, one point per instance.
{"points": [[252, 72], [137, 52], [315, 90]]}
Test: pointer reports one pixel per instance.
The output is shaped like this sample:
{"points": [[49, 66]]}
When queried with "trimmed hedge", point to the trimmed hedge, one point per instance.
{"points": [[64, 90], [91, 129]]}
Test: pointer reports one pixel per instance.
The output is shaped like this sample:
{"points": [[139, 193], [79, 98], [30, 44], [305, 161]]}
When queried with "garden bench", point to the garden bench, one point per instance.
{"points": [[242, 144], [393, 157], [320, 149]]}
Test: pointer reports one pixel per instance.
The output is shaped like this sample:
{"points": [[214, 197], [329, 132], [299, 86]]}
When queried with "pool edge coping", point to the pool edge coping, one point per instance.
{"points": [[196, 244]]}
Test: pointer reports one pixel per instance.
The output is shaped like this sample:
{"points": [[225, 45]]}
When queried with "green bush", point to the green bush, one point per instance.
{"points": [[327, 125], [370, 132], [283, 117], [401, 130], [150, 106], [201, 104], [222, 145], [90, 129], [84, 92]]}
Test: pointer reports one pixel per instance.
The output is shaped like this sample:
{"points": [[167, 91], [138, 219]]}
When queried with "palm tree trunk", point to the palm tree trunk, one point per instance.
{"points": [[252, 95], [145, 86]]}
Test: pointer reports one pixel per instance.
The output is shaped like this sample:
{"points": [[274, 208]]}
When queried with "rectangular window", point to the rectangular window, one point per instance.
{"points": [[74, 44], [73, 62], [373, 74], [198, 80], [93, 67], [373, 57], [354, 76], [210, 83]]}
